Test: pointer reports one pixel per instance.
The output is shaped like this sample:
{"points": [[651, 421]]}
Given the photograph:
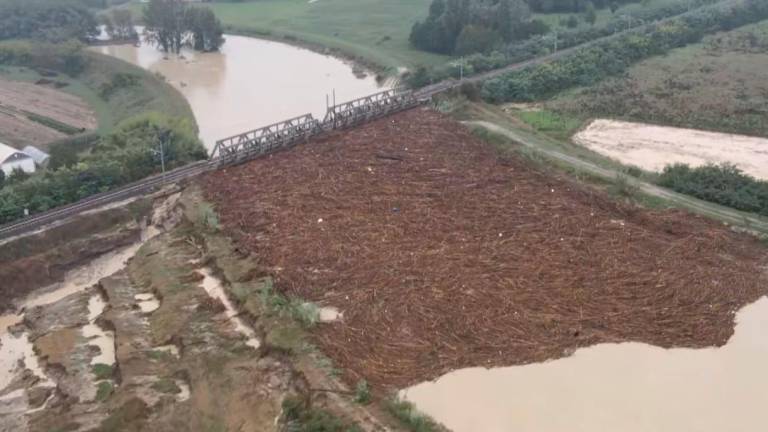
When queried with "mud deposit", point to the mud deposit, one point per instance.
{"points": [[653, 147], [215, 290], [627, 387], [445, 255]]}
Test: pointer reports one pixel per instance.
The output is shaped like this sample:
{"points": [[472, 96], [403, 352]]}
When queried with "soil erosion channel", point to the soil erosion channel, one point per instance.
{"points": [[251, 82]]}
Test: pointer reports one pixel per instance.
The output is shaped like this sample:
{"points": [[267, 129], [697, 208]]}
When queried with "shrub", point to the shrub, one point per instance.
{"points": [[722, 184], [410, 417], [102, 371], [300, 417], [362, 392]]}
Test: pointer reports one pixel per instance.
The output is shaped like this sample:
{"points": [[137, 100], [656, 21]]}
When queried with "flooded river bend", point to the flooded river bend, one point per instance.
{"points": [[251, 82]]}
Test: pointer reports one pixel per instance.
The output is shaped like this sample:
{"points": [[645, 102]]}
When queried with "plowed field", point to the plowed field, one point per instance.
{"points": [[444, 254]]}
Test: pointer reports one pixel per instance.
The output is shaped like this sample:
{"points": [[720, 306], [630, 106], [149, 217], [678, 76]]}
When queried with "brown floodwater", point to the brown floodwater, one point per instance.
{"points": [[629, 387], [251, 82]]}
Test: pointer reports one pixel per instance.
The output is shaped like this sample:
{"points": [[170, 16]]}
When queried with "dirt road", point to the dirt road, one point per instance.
{"points": [[731, 216]]}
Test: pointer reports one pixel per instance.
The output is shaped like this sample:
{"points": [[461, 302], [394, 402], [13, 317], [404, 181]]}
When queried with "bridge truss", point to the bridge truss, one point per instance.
{"points": [[258, 142], [366, 108], [265, 140]]}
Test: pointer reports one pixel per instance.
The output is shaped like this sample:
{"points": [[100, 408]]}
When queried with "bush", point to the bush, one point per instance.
{"points": [[65, 152], [363, 392], [119, 81], [300, 417], [721, 184], [410, 418]]}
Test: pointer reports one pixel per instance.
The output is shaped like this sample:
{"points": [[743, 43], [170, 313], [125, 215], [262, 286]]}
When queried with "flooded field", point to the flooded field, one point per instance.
{"points": [[653, 147], [620, 387], [250, 83]]}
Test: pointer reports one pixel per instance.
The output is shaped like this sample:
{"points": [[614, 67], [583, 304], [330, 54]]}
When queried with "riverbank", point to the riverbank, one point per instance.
{"points": [[372, 33]]}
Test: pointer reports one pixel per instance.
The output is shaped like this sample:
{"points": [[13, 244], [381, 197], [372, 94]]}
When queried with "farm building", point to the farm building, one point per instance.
{"points": [[40, 157], [11, 158]]}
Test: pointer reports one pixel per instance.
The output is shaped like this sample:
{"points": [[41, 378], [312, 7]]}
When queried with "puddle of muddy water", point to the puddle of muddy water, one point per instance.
{"points": [[104, 340], [185, 391], [215, 289], [615, 387], [85, 276], [652, 147], [13, 349], [330, 314], [148, 303]]}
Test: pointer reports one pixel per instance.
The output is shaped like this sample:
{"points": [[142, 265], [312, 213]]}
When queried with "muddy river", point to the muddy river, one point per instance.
{"points": [[251, 82], [615, 387]]}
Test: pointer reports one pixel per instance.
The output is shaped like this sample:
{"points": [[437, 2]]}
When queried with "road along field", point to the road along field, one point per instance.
{"points": [[36, 114], [652, 147], [443, 254]]}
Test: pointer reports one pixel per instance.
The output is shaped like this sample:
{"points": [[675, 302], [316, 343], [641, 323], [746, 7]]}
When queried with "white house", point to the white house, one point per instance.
{"points": [[10, 159]]}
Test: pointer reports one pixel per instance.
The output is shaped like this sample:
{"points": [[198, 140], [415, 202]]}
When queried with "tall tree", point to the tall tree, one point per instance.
{"points": [[171, 24], [164, 22], [207, 33], [122, 24]]}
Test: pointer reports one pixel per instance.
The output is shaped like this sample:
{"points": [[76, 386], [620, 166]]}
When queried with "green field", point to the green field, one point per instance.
{"points": [[719, 84], [373, 30]]}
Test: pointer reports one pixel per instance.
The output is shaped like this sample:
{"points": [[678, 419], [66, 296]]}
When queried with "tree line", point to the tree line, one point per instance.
{"points": [[47, 20], [172, 24], [721, 184], [466, 26], [460, 27], [574, 6], [128, 154]]}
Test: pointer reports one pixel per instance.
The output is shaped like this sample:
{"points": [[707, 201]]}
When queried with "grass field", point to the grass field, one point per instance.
{"points": [[373, 30], [718, 84], [150, 94]]}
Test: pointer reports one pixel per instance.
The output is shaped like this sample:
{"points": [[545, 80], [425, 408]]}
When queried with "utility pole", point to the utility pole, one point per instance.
{"points": [[555, 50], [162, 137], [162, 153]]}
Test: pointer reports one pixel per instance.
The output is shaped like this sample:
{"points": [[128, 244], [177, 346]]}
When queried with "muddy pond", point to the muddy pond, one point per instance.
{"points": [[652, 147], [251, 82]]}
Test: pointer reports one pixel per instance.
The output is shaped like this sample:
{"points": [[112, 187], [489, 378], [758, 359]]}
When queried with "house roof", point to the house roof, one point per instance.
{"points": [[7, 151], [35, 153]]}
